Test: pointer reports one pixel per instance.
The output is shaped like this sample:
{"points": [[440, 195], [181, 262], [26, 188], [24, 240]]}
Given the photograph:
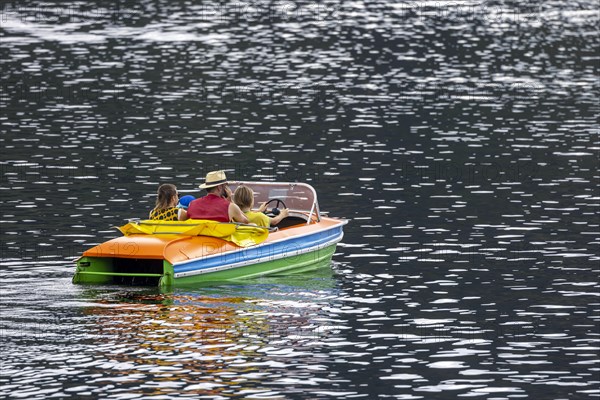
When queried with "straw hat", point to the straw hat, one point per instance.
{"points": [[214, 178]]}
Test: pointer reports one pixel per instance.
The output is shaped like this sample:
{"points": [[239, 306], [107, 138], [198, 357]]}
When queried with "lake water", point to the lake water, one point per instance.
{"points": [[460, 139]]}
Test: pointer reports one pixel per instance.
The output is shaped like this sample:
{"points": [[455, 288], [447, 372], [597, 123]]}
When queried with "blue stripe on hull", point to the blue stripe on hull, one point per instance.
{"points": [[267, 250]]}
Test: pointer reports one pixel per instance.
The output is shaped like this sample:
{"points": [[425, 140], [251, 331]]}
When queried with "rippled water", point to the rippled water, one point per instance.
{"points": [[460, 139]]}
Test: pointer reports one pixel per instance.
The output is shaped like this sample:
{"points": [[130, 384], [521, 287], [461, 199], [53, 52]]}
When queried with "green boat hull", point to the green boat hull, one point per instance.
{"points": [[106, 270]]}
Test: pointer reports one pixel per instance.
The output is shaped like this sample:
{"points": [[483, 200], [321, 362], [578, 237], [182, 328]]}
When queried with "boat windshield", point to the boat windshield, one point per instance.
{"points": [[296, 196]]}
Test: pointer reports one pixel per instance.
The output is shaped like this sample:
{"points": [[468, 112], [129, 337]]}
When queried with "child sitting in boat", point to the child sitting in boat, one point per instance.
{"points": [[244, 198], [166, 204], [184, 203]]}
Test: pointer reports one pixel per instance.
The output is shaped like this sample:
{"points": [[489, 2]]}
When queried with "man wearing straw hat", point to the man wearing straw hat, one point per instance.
{"points": [[217, 204]]}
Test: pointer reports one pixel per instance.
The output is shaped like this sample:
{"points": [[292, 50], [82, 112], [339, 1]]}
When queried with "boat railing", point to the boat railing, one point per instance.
{"points": [[315, 207], [139, 221], [269, 228]]}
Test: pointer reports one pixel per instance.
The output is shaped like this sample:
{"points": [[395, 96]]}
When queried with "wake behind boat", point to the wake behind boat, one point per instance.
{"points": [[171, 253]]}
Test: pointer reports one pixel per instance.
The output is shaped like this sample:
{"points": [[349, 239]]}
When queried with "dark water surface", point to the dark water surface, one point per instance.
{"points": [[460, 139]]}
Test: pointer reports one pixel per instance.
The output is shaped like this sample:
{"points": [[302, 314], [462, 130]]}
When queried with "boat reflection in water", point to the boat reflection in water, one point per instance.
{"points": [[212, 341]]}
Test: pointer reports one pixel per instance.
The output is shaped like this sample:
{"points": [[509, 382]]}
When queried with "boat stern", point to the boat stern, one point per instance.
{"points": [[128, 261], [123, 271]]}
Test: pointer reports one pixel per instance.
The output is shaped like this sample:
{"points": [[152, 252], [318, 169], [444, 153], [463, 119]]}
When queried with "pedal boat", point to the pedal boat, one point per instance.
{"points": [[180, 253]]}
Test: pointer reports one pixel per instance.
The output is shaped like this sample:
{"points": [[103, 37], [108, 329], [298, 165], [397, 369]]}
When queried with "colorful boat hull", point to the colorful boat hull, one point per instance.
{"points": [[168, 259]]}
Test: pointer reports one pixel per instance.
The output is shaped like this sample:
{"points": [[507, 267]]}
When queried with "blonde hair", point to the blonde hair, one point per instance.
{"points": [[243, 197], [165, 194]]}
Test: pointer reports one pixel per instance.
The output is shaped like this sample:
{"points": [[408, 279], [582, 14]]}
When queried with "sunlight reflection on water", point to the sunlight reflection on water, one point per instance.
{"points": [[460, 140]]}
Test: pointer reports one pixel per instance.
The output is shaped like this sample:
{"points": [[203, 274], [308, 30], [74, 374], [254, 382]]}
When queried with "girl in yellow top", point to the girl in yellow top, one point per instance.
{"points": [[166, 204], [244, 198]]}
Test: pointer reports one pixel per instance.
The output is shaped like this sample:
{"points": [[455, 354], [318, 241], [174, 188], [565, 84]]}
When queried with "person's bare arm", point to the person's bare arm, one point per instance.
{"points": [[284, 213], [236, 214], [182, 215], [263, 207]]}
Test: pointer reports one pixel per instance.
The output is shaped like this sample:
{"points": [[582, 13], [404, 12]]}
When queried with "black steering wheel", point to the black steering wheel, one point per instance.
{"points": [[275, 210]]}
